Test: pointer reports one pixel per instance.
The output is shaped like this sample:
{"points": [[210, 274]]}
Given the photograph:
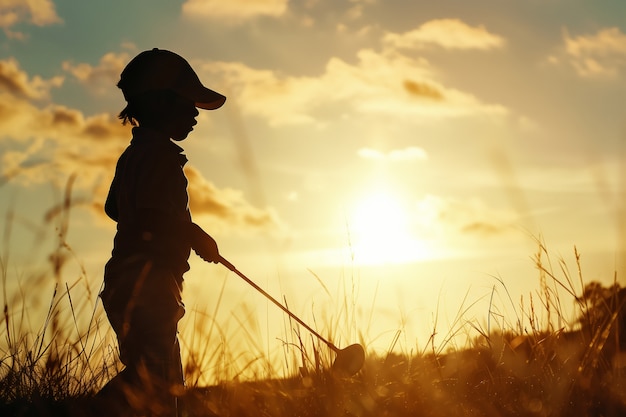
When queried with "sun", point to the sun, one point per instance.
{"points": [[380, 227]]}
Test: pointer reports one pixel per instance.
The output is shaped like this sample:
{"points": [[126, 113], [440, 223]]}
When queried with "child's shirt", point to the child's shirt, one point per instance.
{"points": [[149, 183]]}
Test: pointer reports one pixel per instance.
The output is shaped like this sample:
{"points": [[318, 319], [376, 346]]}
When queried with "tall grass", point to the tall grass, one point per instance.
{"points": [[62, 350]]}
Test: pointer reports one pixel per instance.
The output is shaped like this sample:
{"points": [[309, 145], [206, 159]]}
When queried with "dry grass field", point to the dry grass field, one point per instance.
{"points": [[534, 368]]}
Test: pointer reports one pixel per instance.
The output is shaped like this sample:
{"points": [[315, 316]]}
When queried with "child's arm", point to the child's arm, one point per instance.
{"points": [[203, 244]]}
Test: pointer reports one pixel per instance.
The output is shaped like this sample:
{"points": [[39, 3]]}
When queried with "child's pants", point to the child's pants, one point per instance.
{"points": [[143, 304]]}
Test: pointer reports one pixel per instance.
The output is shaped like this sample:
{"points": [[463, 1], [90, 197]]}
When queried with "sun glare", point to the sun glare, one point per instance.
{"points": [[380, 226]]}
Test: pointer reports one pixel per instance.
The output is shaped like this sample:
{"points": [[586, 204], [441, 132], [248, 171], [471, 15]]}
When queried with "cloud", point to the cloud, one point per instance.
{"points": [[226, 207], [103, 76], [17, 82], [233, 11], [470, 217], [408, 154], [599, 55], [382, 83], [49, 144], [446, 33], [424, 90], [36, 12]]}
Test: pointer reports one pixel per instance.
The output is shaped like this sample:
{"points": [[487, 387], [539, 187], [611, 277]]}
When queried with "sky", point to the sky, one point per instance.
{"points": [[384, 162]]}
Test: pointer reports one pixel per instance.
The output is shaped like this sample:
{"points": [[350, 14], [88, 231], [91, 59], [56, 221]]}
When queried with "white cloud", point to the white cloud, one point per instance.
{"points": [[36, 12], [17, 82], [226, 207], [46, 145], [599, 55], [446, 33], [233, 10], [385, 82], [103, 76]]}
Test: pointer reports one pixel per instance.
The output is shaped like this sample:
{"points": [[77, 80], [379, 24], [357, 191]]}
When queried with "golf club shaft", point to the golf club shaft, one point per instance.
{"points": [[279, 305]]}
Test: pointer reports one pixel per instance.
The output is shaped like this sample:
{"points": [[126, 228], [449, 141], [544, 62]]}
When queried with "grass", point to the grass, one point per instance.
{"points": [[535, 362]]}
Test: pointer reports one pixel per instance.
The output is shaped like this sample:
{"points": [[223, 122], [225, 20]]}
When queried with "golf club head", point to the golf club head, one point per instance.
{"points": [[349, 360]]}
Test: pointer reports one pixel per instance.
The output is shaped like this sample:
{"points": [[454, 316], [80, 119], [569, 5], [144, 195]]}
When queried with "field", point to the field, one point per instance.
{"points": [[539, 366]]}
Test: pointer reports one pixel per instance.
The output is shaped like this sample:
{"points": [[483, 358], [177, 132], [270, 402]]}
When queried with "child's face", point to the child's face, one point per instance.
{"points": [[181, 118]]}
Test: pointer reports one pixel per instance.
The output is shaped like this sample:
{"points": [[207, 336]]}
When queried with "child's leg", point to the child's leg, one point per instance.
{"points": [[147, 334], [154, 327]]}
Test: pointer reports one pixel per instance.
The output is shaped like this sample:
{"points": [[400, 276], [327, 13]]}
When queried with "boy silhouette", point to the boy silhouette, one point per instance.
{"points": [[155, 233]]}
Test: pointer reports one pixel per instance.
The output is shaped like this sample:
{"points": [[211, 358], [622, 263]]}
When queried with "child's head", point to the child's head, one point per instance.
{"points": [[159, 84]]}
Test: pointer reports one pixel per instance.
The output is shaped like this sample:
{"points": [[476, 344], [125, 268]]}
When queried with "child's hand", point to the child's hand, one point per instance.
{"points": [[204, 245], [207, 250]]}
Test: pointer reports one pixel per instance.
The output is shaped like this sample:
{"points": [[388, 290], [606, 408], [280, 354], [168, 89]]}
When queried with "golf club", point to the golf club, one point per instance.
{"points": [[348, 361]]}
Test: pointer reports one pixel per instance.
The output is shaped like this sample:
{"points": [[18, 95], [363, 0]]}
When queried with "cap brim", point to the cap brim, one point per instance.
{"points": [[208, 99]]}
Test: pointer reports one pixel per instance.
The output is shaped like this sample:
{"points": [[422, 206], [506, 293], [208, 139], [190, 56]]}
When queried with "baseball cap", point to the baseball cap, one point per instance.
{"points": [[159, 69]]}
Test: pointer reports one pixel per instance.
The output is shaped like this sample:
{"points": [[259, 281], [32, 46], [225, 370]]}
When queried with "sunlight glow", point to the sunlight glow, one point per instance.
{"points": [[381, 232]]}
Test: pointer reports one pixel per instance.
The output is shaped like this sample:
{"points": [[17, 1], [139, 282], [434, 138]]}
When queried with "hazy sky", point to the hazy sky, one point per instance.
{"points": [[406, 150]]}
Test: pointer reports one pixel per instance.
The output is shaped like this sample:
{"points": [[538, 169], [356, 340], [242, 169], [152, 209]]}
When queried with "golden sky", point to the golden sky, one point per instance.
{"points": [[415, 147]]}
